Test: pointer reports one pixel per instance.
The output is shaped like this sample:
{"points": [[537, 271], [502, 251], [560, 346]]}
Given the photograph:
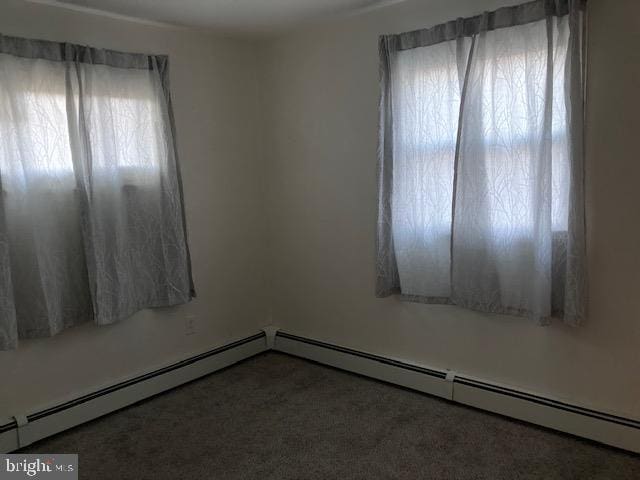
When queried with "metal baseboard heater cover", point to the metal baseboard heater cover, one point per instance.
{"points": [[610, 429], [614, 430], [28, 428]]}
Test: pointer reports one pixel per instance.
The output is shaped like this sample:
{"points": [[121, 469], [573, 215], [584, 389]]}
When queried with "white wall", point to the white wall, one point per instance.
{"points": [[320, 100], [214, 88]]}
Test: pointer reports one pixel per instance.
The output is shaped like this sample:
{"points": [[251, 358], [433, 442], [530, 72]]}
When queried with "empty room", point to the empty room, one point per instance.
{"points": [[319, 239]]}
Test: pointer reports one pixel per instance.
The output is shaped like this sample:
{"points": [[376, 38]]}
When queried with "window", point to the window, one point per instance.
{"points": [[91, 218], [477, 163]]}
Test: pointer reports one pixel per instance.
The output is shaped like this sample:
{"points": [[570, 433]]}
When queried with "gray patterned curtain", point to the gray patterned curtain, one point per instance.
{"points": [[92, 220], [481, 163]]}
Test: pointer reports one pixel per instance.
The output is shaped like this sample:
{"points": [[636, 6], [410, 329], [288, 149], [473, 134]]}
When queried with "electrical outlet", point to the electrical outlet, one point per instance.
{"points": [[190, 325]]}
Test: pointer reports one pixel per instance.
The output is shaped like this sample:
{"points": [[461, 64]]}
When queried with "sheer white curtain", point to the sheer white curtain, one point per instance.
{"points": [[91, 215], [481, 168], [426, 95]]}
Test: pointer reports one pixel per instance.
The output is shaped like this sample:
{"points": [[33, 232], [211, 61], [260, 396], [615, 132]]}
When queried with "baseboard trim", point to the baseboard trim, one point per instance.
{"points": [[614, 430], [56, 418]]}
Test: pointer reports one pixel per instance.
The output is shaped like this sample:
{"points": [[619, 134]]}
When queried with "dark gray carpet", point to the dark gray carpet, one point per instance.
{"points": [[278, 417]]}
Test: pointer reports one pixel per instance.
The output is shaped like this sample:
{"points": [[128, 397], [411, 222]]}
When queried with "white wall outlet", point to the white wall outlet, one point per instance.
{"points": [[190, 325]]}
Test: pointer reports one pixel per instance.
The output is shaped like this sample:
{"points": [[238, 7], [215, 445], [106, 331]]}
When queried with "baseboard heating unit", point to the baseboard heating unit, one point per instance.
{"points": [[607, 428], [25, 429]]}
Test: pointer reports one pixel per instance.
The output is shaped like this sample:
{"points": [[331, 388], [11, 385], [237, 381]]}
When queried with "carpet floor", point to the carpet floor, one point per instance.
{"points": [[278, 417]]}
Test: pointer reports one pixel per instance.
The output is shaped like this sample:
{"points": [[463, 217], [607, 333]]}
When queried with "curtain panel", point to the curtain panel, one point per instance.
{"points": [[481, 163], [92, 222]]}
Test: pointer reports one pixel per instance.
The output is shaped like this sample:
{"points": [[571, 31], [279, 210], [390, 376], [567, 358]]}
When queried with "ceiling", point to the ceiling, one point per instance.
{"points": [[240, 16]]}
